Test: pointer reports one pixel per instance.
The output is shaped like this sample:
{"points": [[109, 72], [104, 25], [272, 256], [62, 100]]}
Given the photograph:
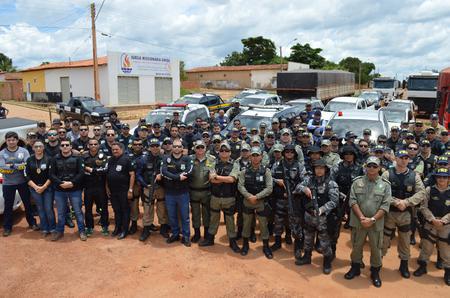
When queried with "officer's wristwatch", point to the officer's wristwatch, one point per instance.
{"points": [[373, 219]]}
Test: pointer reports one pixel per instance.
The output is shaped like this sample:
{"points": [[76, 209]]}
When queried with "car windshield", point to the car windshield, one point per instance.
{"points": [[243, 94], [334, 106], [369, 95], [189, 99], [341, 126], [161, 115], [398, 105], [383, 84], [91, 104], [424, 84], [396, 116], [252, 101], [250, 121]]}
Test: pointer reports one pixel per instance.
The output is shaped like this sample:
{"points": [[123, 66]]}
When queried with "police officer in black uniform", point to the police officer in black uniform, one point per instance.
{"points": [[134, 154], [94, 186], [119, 187], [125, 137], [81, 144]]}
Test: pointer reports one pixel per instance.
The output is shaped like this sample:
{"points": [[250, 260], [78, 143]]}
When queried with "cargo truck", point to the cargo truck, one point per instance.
{"points": [[310, 83], [422, 90], [443, 95], [389, 87]]}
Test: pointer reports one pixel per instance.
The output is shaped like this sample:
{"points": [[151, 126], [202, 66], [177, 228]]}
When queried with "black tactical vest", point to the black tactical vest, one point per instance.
{"points": [[439, 203], [151, 168], [255, 181], [224, 190], [320, 191], [235, 149], [403, 186], [345, 176]]}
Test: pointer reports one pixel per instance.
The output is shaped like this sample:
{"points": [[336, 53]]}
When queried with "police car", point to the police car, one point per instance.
{"points": [[263, 99], [343, 103], [212, 101], [85, 109], [247, 92]]}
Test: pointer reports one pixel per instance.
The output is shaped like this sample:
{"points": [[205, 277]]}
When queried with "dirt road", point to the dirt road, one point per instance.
{"points": [[32, 266]]}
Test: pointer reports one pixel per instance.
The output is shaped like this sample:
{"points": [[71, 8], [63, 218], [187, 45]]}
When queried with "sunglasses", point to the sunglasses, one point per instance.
{"points": [[140, 144], [200, 147], [95, 144], [217, 142], [177, 146], [255, 155], [110, 135], [53, 134], [83, 129], [65, 145], [125, 128], [431, 132], [270, 137], [61, 132], [413, 148], [154, 146], [382, 142], [404, 157], [96, 129], [372, 166], [426, 145], [363, 146], [419, 125], [224, 150], [108, 127]]}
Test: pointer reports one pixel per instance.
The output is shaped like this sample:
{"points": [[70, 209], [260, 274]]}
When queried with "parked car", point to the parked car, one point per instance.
{"points": [[246, 92], [372, 97], [212, 101], [301, 102], [263, 99], [85, 109], [396, 116], [343, 103], [402, 104], [357, 120]]}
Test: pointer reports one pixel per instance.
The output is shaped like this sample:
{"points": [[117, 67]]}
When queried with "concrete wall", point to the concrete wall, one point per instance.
{"points": [[222, 79], [81, 81], [36, 79], [264, 79], [11, 90]]}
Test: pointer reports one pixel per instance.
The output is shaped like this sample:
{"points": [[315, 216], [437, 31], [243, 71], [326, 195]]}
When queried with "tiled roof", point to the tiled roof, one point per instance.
{"points": [[67, 64], [237, 68]]}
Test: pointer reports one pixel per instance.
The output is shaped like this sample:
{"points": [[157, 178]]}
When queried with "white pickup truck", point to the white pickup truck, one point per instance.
{"points": [[22, 127]]}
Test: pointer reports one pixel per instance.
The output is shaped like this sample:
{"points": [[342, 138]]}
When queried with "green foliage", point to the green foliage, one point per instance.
{"points": [[233, 59], [353, 64], [307, 55], [183, 75], [6, 63], [257, 50], [184, 91]]}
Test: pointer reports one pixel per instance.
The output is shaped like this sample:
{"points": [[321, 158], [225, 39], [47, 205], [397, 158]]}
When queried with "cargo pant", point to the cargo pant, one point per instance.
{"points": [[134, 203], [227, 207], [402, 221], [317, 225], [261, 211], [358, 239], [281, 219], [149, 207], [434, 236], [200, 202]]}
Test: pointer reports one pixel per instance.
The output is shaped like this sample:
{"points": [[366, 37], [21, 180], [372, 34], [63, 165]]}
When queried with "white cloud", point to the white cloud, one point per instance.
{"points": [[398, 36]]}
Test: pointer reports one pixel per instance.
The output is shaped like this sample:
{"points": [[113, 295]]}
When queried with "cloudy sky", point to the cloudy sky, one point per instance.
{"points": [[398, 36]]}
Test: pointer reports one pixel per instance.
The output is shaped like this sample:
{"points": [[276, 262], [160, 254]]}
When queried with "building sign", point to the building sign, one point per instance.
{"points": [[144, 65]]}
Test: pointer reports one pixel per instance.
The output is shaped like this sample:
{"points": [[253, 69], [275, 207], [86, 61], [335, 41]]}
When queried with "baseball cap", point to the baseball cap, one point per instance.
{"points": [[395, 128], [216, 137], [442, 172], [401, 153], [256, 150], [270, 133], [255, 139], [378, 148], [444, 133], [367, 131], [313, 149], [182, 124], [373, 160], [245, 146], [319, 163], [325, 142], [31, 134], [434, 117], [262, 125], [328, 127], [56, 121], [277, 147], [143, 127], [205, 133], [424, 142], [199, 143], [442, 160], [283, 120], [275, 120], [75, 122], [234, 129], [285, 131], [125, 125], [41, 124], [225, 144], [350, 134], [317, 113], [167, 140], [430, 129], [156, 124], [153, 141]]}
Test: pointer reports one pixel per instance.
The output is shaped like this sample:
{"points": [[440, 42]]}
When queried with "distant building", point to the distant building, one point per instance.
{"points": [[11, 86], [240, 77], [125, 79]]}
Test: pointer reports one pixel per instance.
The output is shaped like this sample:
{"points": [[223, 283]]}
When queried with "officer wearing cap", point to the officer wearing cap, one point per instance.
{"points": [[223, 179], [419, 131], [415, 162], [255, 185], [286, 172], [441, 162], [94, 186], [200, 189], [277, 156], [156, 134], [56, 123], [314, 154], [214, 149], [316, 123], [434, 118], [255, 142], [321, 198], [370, 197], [385, 163], [125, 137], [406, 188], [436, 146], [286, 139], [262, 130], [41, 131], [428, 158], [149, 179], [445, 140], [234, 110], [167, 145], [81, 144], [136, 151], [435, 208], [31, 139], [350, 138], [235, 143], [331, 158], [269, 141], [275, 127], [367, 133], [394, 141]]}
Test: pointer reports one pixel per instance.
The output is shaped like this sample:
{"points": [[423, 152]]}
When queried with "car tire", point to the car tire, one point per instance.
{"points": [[87, 120]]}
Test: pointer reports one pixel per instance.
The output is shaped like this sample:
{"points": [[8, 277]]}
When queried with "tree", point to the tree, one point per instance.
{"points": [[233, 59], [6, 63], [183, 75], [258, 50], [353, 64], [307, 55]]}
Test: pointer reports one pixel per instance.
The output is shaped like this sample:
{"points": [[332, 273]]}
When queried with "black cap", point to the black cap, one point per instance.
{"points": [[313, 149]]}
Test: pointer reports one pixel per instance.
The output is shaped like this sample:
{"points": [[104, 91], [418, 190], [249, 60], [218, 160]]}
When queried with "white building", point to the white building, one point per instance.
{"points": [[124, 78]]}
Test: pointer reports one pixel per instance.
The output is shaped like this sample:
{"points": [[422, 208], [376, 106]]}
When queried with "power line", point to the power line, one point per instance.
{"points": [[100, 9], [44, 27]]}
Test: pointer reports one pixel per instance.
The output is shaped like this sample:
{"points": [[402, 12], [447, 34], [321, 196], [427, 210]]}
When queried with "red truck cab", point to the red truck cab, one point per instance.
{"points": [[444, 97]]}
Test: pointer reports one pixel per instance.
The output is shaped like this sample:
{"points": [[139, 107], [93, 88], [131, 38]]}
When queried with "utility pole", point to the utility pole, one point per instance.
{"points": [[94, 55], [281, 59]]}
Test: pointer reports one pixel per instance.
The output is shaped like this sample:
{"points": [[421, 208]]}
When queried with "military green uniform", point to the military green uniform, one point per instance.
{"points": [[224, 198], [256, 182], [331, 159], [406, 186], [370, 196], [200, 190]]}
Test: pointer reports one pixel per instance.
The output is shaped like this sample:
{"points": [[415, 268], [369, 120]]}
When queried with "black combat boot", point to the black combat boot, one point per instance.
{"points": [[196, 236], [205, 232], [333, 250], [122, 235], [297, 249], [306, 259], [266, 249], [253, 236], [439, 261], [277, 244], [422, 268], [355, 270], [375, 276], [207, 241], [234, 246], [288, 237], [164, 231], [133, 228], [116, 231], [404, 271], [239, 233], [447, 276], [245, 247], [145, 233], [327, 264]]}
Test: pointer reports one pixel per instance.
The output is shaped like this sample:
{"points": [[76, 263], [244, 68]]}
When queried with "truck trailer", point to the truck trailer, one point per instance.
{"points": [[310, 83], [422, 90], [443, 95]]}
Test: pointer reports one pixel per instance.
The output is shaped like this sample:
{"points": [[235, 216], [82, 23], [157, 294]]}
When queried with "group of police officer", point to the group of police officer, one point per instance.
{"points": [[295, 176]]}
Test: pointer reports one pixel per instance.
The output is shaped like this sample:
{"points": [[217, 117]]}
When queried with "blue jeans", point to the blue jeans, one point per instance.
{"points": [[61, 206], [175, 202], [9, 194], [44, 202]]}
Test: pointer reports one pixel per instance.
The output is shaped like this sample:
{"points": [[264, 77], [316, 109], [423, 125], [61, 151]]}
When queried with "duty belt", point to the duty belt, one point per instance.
{"points": [[199, 189]]}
